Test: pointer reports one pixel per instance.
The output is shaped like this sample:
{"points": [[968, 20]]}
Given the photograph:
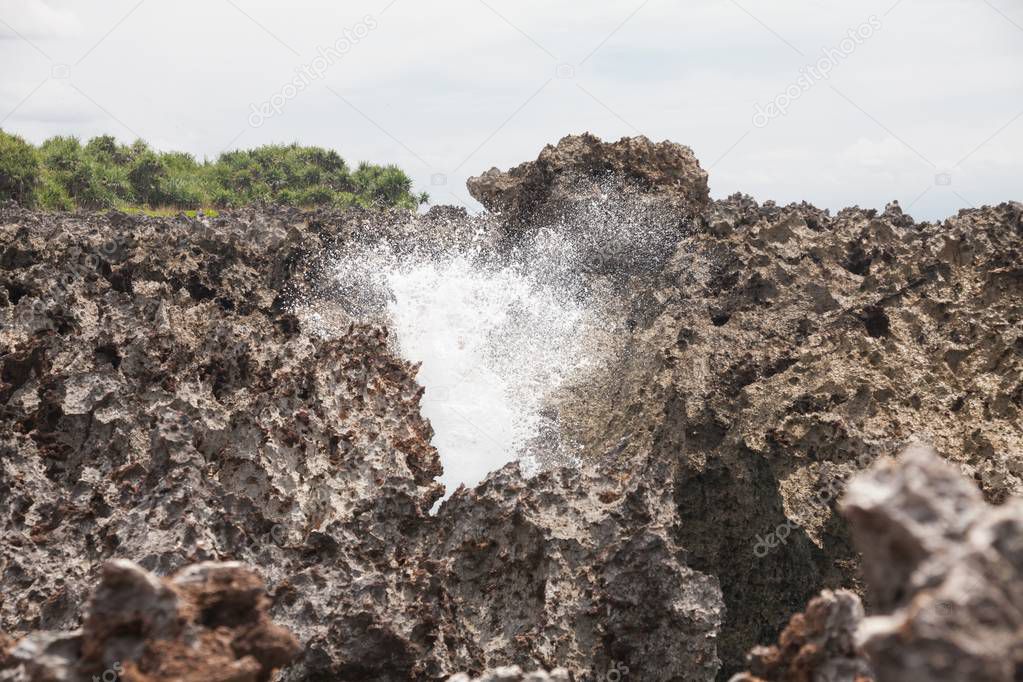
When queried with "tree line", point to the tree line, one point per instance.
{"points": [[63, 174]]}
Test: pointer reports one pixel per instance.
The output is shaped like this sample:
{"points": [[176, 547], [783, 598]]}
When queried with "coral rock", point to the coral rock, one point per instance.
{"points": [[208, 623]]}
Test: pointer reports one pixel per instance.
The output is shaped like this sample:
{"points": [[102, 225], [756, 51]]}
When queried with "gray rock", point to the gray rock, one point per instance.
{"points": [[208, 622], [945, 579], [946, 571], [581, 168]]}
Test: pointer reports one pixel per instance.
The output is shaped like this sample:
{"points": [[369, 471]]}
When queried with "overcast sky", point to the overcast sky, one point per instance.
{"points": [[925, 105]]}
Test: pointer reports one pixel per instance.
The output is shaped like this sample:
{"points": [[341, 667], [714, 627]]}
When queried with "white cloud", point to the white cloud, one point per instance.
{"points": [[36, 19]]}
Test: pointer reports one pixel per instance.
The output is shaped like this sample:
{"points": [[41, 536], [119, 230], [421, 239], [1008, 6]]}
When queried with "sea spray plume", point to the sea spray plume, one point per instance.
{"points": [[504, 321]]}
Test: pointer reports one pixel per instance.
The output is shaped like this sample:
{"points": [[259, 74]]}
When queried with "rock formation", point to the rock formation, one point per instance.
{"points": [[581, 169], [816, 646], [780, 350], [164, 403], [207, 623], [944, 573]]}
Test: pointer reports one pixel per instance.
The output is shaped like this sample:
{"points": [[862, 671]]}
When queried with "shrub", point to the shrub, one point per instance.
{"points": [[104, 173], [19, 169], [146, 173], [61, 154], [52, 196], [105, 186], [183, 191], [89, 182], [386, 186], [105, 149]]}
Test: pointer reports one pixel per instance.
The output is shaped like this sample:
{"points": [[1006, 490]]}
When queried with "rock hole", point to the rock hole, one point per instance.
{"points": [[120, 279], [230, 611], [876, 321], [858, 262], [198, 291], [108, 353], [16, 292]]}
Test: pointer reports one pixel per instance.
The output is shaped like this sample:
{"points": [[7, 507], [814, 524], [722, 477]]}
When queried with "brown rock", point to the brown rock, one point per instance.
{"points": [[582, 167], [818, 646], [946, 572], [206, 624], [164, 401]]}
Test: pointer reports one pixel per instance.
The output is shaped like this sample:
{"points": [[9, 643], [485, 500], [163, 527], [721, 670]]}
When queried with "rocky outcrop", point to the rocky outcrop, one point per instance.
{"points": [[582, 169], [206, 623], [164, 401], [782, 350], [578, 568], [163, 404]]}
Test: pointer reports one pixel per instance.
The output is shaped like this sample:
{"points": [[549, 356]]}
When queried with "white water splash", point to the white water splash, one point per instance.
{"points": [[494, 345], [499, 333]]}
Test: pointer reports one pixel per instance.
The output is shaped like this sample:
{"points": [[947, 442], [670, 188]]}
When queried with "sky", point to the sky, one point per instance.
{"points": [[835, 103]]}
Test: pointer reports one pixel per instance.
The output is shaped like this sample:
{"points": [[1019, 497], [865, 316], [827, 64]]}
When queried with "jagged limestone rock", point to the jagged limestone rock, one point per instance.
{"points": [[162, 402], [816, 646], [581, 168]]}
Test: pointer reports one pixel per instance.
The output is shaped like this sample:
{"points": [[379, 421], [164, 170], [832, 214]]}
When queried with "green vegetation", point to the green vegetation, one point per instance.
{"points": [[19, 169], [63, 174]]}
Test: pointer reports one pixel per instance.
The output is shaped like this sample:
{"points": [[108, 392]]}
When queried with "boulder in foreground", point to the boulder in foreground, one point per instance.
{"points": [[207, 623], [944, 571]]}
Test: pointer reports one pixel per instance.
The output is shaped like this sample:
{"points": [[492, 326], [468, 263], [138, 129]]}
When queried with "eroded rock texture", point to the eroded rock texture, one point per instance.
{"points": [[782, 350], [582, 169], [578, 568], [207, 623], [162, 403], [816, 646], [944, 572]]}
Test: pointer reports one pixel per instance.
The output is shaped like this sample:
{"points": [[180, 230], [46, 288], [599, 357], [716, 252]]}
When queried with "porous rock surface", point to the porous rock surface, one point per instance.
{"points": [[816, 646], [207, 623], [578, 169], [162, 403], [783, 349], [944, 572]]}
